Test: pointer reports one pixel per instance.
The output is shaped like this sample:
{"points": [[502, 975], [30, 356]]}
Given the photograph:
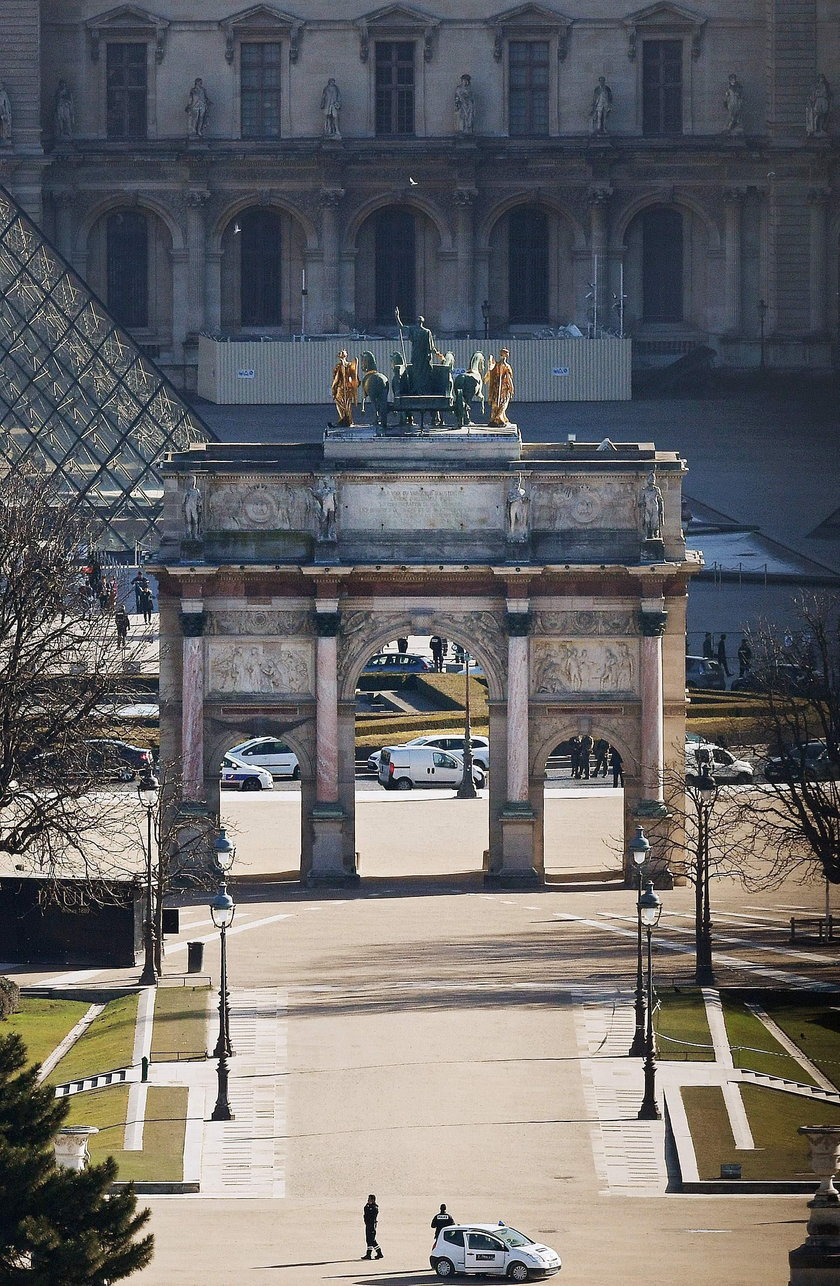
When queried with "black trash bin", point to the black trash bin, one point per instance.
{"points": [[195, 957]]}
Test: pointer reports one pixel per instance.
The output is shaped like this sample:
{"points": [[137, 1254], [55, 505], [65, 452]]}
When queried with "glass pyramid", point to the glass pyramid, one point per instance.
{"points": [[78, 400]]}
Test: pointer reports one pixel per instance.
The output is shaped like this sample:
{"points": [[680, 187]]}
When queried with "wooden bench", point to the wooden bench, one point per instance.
{"points": [[810, 926]]}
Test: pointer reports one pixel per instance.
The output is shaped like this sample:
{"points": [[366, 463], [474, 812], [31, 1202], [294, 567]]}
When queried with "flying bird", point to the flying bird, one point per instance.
{"points": [[412, 183]]}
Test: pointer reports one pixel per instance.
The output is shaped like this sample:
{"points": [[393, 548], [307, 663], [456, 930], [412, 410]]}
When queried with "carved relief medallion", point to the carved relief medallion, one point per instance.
{"points": [[585, 503], [256, 508], [585, 624]]}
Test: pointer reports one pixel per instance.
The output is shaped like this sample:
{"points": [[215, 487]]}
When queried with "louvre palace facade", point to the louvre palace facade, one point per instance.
{"points": [[267, 171]]}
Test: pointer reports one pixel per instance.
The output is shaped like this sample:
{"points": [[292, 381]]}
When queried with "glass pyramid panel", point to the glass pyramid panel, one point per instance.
{"points": [[77, 397]]}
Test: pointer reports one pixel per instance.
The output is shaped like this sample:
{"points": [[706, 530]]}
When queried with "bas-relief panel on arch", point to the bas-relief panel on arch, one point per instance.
{"points": [[594, 502], [399, 505], [260, 622], [266, 667], [593, 668], [608, 623], [240, 507]]}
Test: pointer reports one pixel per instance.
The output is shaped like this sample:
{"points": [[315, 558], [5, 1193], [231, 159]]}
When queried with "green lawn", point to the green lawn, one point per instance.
{"points": [[180, 1027], [43, 1023], [814, 1026], [107, 1043], [746, 1032], [780, 1153], [682, 1032], [162, 1157]]}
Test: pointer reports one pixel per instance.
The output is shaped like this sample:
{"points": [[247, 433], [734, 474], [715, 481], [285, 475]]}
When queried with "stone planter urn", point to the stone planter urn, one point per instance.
{"points": [[71, 1146], [817, 1261]]}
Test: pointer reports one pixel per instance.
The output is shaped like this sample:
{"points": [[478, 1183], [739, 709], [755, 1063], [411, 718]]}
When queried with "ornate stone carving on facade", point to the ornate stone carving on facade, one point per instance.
{"points": [[818, 109], [485, 628], [652, 509], [651, 19], [357, 627], [464, 105], [63, 114], [530, 21], [244, 508], [261, 622], [591, 668], [193, 624], [652, 624], [585, 624], [192, 506], [518, 509], [262, 21], [585, 504], [197, 198], [127, 21], [327, 624], [260, 668], [393, 19], [325, 495]]}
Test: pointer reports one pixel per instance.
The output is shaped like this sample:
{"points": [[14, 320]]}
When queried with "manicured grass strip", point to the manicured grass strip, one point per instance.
{"points": [[745, 1030], [774, 1119], [108, 1043], [162, 1157], [180, 1027], [683, 1018], [43, 1023], [371, 734], [815, 1028]]}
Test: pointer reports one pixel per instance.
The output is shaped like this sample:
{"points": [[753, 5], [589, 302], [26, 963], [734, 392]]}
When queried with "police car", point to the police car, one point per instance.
{"points": [[491, 1250]]}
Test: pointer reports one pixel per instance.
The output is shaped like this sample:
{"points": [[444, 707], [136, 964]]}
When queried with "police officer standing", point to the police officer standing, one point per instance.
{"points": [[370, 1214], [442, 1219]]}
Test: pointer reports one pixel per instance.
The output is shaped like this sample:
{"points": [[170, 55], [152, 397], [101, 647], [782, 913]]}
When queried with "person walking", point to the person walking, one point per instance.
{"points": [[617, 766], [574, 756], [147, 605], [121, 623], [442, 1219], [721, 655], [139, 583], [602, 750], [586, 744], [370, 1214], [436, 647], [708, 647], [744, 657]]}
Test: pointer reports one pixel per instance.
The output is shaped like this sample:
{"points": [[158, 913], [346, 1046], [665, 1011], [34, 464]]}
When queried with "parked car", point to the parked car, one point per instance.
{"points": [[396, 663], [723, 765], [129, 705], [794, 680], [242, 776], [403, 767], [809, 759], [492, 1250], [444, 741], [704, 675], [117, 760], [267, 752]]}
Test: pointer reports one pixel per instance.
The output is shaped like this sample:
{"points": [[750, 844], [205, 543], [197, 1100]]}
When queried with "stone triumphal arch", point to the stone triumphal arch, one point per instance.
{"points": [[561, 567]]}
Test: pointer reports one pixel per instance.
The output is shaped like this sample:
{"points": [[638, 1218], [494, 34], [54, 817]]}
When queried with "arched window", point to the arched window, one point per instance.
{"points": [[528, 266], [127, 271], [260, 246], [662, 266], [395, 258]]}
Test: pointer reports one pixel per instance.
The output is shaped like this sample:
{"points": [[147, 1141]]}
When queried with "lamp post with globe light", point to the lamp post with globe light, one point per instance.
{"points": [[222, 909], [706, 791], [639, 850], [650, 909], [147, 793], [225, 852]]}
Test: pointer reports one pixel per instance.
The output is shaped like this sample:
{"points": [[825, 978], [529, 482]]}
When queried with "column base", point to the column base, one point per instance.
{"points": [[812, 1266], [328, 847], [518, 821], [653, 550], [650, 808]]}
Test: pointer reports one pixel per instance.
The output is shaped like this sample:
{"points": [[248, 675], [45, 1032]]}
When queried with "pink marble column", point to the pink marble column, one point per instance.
{"points": [[326, 718], [517, 719], [192, 705], [653, 738]]}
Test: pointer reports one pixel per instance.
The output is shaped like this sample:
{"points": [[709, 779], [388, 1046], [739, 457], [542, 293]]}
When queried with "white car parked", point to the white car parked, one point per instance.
{"points": [[724, 767], [242, 776], [444, 741], [492, 1250], [270, 753]]}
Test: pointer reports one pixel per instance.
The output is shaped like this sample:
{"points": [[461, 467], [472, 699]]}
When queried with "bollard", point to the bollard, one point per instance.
{"points": [[144, 1069]]}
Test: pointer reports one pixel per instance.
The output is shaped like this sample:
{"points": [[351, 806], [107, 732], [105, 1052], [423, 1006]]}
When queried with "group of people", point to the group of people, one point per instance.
{"points": [[95, 589], [370, 1215], [439, 649], [718, 653], [591, 758]]}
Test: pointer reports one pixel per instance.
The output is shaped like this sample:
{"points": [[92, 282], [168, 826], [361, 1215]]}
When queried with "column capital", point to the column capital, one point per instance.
{"points": [[327, 624], [193, 624], [330, 198], [464, 197], [652, 624], [599, 195], [734, 195], [518, 624], [197, 197]]}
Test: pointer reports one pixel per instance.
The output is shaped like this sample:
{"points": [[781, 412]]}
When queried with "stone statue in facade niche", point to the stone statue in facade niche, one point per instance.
{"points": [[331, 108], [733, 101], [64, 117], [600, 107], [193, 507], [518, 512], [324, 495], [5, 115], [198, 105], [464, 106], [818, 108], [652, 509]]}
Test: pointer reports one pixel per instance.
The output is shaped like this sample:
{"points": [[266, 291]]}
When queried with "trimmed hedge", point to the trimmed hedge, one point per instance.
{"points": [[9, 998]]}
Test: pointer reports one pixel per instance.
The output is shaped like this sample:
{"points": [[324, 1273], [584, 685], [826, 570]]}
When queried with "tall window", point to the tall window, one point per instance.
{"points": [[528, 87], [662, 91], [126, 91], [527, 266], [259, 68], [127, 260], [260, 248], [662, 266], [395, 87], [394, 241]]}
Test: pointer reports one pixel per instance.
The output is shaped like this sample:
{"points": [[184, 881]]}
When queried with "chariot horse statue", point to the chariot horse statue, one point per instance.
{"points": [[375, 386], [469, 388]]}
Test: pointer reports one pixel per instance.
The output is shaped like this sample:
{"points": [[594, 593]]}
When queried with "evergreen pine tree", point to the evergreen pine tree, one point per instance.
{"points": [[57, 1227]]}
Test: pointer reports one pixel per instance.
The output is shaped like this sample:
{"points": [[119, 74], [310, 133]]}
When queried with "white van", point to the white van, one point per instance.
{"points": [[403, 767], [724, 766]]}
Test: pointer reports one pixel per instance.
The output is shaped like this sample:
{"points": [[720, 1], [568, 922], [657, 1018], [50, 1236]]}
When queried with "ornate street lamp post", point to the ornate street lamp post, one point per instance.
{"points": [[222, 909], [485, 313], [467, 789], [706, 789], [225, 852], [147, 793], [650, 909], [639, 850]]}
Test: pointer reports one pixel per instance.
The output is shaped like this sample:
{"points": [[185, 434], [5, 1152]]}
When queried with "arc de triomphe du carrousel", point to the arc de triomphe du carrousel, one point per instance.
{"points": [[560, 567]]}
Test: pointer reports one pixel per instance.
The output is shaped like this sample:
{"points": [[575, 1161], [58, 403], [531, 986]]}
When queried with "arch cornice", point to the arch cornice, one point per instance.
{"points": [[259, 200], [129, 201], [567, 723]]}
